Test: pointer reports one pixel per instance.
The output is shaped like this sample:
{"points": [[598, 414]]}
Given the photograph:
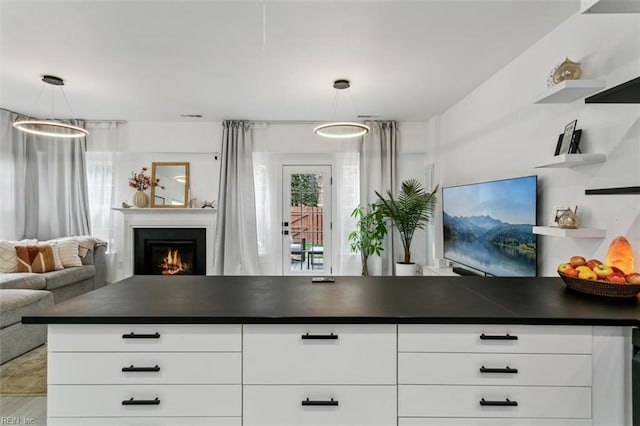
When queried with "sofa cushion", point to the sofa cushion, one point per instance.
{"points": [[67, 276], [14, 304], [68, 248], [35, 258], [24, 280], [8, 256]]}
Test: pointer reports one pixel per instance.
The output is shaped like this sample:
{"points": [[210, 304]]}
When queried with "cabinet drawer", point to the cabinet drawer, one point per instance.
{"points": [[353, 405], [492, 422], [174, 400], [494, 338], [150, 338], [77, 368], [144, 421], [464, 401], [494, 369], [301, 354]]}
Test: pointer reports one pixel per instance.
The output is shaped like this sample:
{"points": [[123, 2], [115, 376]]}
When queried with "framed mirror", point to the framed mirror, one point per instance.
{"points": [[172, 188]]}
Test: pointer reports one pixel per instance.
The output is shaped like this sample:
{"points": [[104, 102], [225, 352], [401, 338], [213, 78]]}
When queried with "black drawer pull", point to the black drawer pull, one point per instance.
{"points": [[507, 369], [498, 337], [506, 403], [141, 401], [332, 402], [132, 369], [320, 336], [133, 335]]}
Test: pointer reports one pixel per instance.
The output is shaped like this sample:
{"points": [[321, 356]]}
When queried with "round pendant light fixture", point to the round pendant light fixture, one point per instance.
{"points": [[52, 128], [341, 129]]}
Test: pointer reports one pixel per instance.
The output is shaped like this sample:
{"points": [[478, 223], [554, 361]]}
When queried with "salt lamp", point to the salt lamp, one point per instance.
{"points": [[620, 255]]}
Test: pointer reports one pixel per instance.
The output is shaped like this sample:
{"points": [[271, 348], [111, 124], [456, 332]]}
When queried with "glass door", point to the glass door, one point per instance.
{"points": [[306, 220]]}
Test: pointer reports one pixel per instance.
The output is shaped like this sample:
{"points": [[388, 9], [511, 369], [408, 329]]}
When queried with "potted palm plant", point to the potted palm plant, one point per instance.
{"points": [[368, 236], [410, 210]]}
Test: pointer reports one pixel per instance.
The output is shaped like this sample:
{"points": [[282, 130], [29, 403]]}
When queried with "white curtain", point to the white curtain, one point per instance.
{"points": [[50, 175], [102, 144], [266, 170], [378, 168], [13, 178], [347, 188], [235, 251]]}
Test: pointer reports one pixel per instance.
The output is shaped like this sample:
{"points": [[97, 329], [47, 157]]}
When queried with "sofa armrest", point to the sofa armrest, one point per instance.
{"points": [[100, 263]]}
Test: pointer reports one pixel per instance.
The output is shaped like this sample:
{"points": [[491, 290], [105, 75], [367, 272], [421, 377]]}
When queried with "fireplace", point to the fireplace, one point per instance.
{"points": [[169, 251]]}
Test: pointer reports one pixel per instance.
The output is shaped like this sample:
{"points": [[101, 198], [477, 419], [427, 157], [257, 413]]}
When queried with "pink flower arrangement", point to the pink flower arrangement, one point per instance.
{"points": [[141, 181]]}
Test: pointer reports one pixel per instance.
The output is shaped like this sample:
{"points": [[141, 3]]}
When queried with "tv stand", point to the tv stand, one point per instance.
{"points": [[466, 272]]}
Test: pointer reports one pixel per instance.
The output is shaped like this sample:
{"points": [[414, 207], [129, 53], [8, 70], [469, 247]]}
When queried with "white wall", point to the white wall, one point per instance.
{"points": [[142, 143], [497, 132]]}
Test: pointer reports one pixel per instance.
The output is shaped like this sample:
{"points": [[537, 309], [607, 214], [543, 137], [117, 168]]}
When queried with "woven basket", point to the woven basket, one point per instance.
{"points": [[601, 288]]}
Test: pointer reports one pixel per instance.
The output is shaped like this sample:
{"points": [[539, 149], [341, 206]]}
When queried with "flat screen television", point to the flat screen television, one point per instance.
{"points": [[487, 226]]}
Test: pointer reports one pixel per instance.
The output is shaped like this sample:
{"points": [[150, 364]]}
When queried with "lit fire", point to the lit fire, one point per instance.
{"points": [[172, 264]]}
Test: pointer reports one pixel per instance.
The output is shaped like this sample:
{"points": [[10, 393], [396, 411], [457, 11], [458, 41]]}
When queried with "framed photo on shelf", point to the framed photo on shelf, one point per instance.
{"points": [[565, 142]]}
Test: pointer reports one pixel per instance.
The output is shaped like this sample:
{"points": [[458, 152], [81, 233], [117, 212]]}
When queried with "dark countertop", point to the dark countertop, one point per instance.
{"points": [[277, 299]]}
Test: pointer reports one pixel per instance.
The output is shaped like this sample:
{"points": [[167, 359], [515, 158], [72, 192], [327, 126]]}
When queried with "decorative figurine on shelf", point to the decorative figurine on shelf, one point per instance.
{"points": [[567, 70], [569, 219], [208, 204], [125, 205]]}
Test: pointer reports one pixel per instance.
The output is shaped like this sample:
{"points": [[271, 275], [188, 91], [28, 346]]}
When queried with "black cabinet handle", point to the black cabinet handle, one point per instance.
{"points": [[320, 336], [132, 401], [498, 337], [332, 402], [506, 403], [507, 369], [132, 369], [133, 335]]}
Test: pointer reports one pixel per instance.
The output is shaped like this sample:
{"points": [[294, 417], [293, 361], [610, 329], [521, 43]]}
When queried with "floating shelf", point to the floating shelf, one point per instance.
{"points": [[611, 191], [573, 160], [609, 6], [554, 231], [569, 90]]}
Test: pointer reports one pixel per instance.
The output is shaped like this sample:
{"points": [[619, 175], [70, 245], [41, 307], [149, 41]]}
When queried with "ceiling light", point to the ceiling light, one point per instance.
{"points": [[51, 128], [341, 129]]}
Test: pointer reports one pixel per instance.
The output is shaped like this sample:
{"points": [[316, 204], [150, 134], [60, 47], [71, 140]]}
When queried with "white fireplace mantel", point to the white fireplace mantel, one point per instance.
{"points": [[166, 218]]}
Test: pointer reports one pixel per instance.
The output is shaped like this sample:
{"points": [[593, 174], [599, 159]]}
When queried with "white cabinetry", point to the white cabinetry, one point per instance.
{"points": [[319, 374], [457, 372], [344, 374], [113, 374]]}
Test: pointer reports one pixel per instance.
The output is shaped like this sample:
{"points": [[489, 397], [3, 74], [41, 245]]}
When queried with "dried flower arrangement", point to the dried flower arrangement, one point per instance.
{"points": [[142, 181]]}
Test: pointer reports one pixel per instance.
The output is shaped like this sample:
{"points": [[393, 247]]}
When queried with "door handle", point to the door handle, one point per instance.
{"points": [[507, 369], [136, 369], [332, 403]]}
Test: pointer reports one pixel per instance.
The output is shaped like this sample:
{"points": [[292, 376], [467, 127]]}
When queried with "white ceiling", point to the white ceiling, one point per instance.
{"points": [[260, 60]]}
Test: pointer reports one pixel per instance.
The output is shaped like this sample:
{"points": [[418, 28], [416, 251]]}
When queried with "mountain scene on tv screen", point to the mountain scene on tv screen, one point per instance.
{"points": [[490, 245]]}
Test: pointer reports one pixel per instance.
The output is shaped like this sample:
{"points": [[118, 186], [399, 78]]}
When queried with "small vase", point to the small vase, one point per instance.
{"points": [[140, 199]]}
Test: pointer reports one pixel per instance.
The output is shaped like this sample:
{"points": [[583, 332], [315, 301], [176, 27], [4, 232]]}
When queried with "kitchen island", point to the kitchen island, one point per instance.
{"points": [[363, 350]]}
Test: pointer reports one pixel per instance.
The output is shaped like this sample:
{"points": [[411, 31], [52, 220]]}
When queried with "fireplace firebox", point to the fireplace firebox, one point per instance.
{"points": [[169, 251]]}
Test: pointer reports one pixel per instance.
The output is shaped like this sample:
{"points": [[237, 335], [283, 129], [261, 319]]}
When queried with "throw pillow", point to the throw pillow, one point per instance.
{"points": [[35, 258], [56, 256], [68, 251], [8, 257]]}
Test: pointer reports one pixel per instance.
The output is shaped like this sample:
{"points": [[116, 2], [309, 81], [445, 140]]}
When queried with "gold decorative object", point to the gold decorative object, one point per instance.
{"points": [[170, 188], [569, 220], [568, 70]]}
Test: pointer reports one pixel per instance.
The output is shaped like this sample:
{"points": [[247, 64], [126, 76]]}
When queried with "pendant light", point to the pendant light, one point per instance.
{"points": [[50, 127], [341, 129]]}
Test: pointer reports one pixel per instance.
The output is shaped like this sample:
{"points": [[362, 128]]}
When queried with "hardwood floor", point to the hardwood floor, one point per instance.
{"points": [[23, 410]]}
